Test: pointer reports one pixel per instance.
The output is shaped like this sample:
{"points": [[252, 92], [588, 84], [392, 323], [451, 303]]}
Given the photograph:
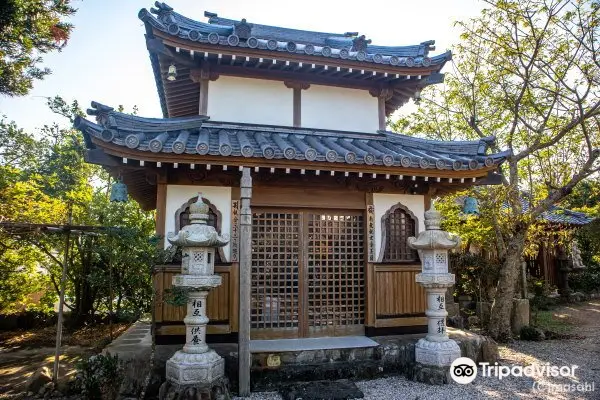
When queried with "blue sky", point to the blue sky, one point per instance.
{"points": [[106, 58]]}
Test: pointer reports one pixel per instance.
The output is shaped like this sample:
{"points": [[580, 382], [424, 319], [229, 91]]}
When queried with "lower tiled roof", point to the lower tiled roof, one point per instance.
{"points": [[197, 135]]}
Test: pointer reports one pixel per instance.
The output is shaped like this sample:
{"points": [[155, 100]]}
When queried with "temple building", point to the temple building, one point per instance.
{"points": [[335, 196]]}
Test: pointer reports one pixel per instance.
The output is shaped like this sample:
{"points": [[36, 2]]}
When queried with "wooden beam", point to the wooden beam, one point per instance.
{"points": [[245, 276], [318, 78]]}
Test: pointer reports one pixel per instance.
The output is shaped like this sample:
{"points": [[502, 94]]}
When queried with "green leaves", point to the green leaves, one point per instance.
{"points": [[40, 179], [29, 28]]}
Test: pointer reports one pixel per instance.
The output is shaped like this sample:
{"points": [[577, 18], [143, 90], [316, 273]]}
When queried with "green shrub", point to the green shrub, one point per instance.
{"points": [[586, 281], [99, 377], [530, 333]]}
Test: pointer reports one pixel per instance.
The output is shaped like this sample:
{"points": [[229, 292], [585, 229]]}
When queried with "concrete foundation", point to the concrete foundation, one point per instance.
{"points": [[394, 355]]}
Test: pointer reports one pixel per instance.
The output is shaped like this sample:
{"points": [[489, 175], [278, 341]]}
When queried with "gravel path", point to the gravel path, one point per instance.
{"points": [[583, 352]]}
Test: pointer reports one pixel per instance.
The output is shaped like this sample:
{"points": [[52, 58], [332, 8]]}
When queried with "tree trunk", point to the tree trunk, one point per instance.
{"points": [[500, 316]]}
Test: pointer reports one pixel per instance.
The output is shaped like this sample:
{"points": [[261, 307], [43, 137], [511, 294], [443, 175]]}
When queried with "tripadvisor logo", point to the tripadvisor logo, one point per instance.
{"points": [[463, 370]]}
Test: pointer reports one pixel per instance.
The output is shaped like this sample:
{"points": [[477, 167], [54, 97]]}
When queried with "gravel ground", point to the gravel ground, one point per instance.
{"points": [[583, 352]]}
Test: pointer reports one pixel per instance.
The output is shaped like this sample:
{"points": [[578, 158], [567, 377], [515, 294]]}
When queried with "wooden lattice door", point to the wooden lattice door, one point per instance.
{"points": [[335, 261], [307, 273], [275, 269]]}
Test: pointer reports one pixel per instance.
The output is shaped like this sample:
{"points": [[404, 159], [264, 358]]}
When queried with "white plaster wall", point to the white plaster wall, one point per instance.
{"points": [[383, 202], [220, 196], [257, 101], [328, 107]]}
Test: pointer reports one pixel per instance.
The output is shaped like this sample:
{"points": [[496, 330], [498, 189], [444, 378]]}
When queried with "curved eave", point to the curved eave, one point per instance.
{"points": [[282, 163], [196, 34], [194, 140], [108, 119]]}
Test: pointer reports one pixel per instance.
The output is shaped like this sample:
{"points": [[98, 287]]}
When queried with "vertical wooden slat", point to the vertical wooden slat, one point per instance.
{"points": [[157, 282], [234, 297]]}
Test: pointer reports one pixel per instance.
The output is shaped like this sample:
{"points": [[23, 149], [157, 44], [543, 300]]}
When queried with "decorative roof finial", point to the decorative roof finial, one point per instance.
{"points": [[243, 29], [360, 43]]}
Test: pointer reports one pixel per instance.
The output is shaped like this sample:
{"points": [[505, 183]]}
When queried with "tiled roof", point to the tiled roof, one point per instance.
{"points": [[561, 215], [198, 135], [227, 32], [558, 215]]}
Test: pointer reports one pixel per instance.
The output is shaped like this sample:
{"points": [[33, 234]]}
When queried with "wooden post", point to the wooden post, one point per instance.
{"points": [[161, 206], [381, 112], [244, 356], [203, 103], [61, 301], [383, 95], [297, 107]]}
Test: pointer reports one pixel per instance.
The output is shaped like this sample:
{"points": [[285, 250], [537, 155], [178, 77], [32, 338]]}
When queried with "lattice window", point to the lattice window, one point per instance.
{"points": [[398, 224], [275, 268], [440, 259], [335, 270]]}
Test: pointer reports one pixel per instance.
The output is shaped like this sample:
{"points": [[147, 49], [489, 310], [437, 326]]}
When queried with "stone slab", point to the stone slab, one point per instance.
{"points": [[306, 344]]}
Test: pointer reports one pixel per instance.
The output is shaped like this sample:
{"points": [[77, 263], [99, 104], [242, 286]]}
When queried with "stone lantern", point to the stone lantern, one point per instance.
{"points": [[196, 369], [436, 349]]}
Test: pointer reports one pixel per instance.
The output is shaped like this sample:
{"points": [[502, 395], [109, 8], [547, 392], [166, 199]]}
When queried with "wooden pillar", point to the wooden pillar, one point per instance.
{"points": [[244, 356], [381, 113], [203, 103], [370, 282], [161, 206], [297, 100], [203, 76], [383, 95], [297, 107]]}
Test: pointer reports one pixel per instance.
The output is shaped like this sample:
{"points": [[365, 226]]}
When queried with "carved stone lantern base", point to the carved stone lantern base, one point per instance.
{"points": [[439, 354], [189, 369], [216, 390], [195, 376]]}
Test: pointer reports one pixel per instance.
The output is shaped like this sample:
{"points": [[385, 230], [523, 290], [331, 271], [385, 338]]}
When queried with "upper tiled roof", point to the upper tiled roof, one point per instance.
{"points": [[234, 33], [197, 135]]}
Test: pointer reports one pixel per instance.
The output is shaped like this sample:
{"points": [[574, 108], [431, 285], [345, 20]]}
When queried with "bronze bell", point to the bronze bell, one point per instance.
{"points": [[118, 192], [470, 206]]}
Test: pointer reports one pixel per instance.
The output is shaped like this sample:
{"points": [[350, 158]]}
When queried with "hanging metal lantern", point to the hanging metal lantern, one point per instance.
{"points": [[470, 206], [118, 192], [172, 74]]}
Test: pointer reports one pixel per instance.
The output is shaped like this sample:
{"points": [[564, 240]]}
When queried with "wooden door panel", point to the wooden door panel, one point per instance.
{"points": [[335, 273], [275, 268], [308, 271]]}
